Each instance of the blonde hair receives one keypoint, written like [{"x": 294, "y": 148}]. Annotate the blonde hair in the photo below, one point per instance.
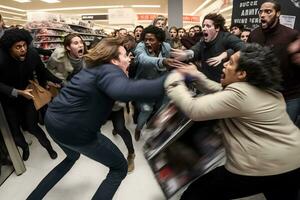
[{"x": 106, "y": 50}]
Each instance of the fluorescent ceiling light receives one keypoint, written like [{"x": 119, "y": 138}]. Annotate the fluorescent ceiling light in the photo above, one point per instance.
[
  {"x": 79, "y": 8},
  {"x": 12, "y": 8},
  {"x": 12, "y": 13},
  {"x": 23, "y": 20},
  {"x": 145, "y": 6},
  {"x": 201, "y": 6},
  {"x": 23, "y": 1},
  {"x": 225, "y": 9},
  {"x": 92, "y": 14},
  {"x": 51, "y": 1}
]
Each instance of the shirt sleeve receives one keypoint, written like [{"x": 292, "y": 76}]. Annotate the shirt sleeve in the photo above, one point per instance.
[
  {"x": 118, "y": 86},
  {"x": 224, "y": 104},
  {"x": 143, "y": 58}
]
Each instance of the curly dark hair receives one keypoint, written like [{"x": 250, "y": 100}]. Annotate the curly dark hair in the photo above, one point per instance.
[
  {"x": 218, "y": 19},
  {"x": 238, "y": 25},
  {"x": 139, "y": 26},
  {"x": 261, "y": 65},
  {"x": 159, "y": 33},
  {"x": 11, "y": 36}
]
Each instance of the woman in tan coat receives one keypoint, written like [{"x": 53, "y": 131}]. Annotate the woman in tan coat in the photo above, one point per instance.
[{"x": 262, "y": 143}]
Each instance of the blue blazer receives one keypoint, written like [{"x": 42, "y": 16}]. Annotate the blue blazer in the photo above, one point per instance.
[{"x": 84, "y": 104}]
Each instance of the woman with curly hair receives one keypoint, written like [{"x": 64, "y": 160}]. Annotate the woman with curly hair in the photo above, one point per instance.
[{"x": 262, "y": 144}]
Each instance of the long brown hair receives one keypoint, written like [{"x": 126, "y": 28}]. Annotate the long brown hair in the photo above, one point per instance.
[
  {"x": 68, "y": 40},
  {"x": 106, "y": 50}
]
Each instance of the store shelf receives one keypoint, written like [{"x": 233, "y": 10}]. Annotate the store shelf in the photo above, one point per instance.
[
  {"x": 52, "y": 28},
  {"x": 48, "y": 35},
  {"x": 181, "y": 150},
  {"x": 77, "y": 25},
  {"x": 55, "y": 41}
]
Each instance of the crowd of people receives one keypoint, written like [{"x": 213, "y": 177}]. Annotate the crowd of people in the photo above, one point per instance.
[{"x": 249, "y": 79}]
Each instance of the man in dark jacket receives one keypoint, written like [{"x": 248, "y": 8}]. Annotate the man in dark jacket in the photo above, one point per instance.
[
  {"x": 18, "y": 63},
  {"x": 279, "y": 37},
  {"x": 213, "y": 49}
]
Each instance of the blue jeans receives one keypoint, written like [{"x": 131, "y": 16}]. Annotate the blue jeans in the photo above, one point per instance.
[
  {"x": 101, "y": 150},
  {"x": 293, "y": 108},
  {"x": 146, "y": 110}
]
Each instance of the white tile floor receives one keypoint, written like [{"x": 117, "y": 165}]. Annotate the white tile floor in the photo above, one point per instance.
[{"x": 84, "y": 178}]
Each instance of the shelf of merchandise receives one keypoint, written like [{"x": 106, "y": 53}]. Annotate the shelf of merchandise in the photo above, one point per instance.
[
  {"x": 54, "y": 41},
  {"x": 41, "y": 37},
  {"x": 180, "y": 150}
]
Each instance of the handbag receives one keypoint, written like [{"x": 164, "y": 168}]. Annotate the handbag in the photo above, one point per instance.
[{"x": 41, "y": 95}]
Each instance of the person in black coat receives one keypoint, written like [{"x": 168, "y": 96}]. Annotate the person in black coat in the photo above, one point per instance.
[
  {"x": 18, "y": 63},
  {"x": 75, "y": 116}
]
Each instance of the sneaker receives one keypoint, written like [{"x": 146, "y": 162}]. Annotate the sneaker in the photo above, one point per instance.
[{"x": 130, "y": 162}]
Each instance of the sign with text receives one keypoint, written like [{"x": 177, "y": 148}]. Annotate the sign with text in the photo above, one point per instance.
[
  {"x": 121, "y": 16},
  {"x": 186, "y": 18},
  {"x": 246, "y": 12},
  {"x": 94, "y": 17}
]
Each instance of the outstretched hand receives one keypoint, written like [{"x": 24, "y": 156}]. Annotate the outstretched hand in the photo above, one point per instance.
[
  {"x": 215, "y": 61},
  {"x": 187, "y": 69},
  {"x": 27, "y": 93},
  {"x": 294, "y": 50},
  {"x": 178, "y": 54}
]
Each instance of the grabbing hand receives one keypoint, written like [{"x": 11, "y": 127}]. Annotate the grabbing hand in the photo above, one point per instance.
[
  {"x": 294, "y": 50},
  {"x": 178, "y": 54},
  {"x": 26, "y": 93},
  {"x": 187, "y": 69},
  {"x": 215, "y": 61},
  {"x": 170, "y": 63},
  {"x": 56, "y": 85}
]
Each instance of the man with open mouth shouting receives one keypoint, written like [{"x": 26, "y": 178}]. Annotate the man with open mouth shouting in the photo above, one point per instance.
[
  {"x": 279, "y": 37},
  {"x": 152, "y": 61},
  {"x": 213, "y": 49}
]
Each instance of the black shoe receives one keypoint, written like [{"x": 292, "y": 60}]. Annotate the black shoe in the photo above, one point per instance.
[
  {"x": 26, "y": 153},
  {"x": 137, "y": 134},
  {"x": 114, "y": 132},
  {"x": 52, "y": 154}
]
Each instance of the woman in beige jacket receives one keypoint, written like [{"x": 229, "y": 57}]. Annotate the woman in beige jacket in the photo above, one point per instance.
[{"x": 262, "y": 143}]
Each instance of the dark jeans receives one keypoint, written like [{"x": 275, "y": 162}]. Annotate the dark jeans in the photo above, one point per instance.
[
  {"x": 146, "y": 110},
  {"x": 117, "y": 118},
  {"x": 101, "y": 150},
  {"x": 24, "y": 115},
  {"x": 293, "y": 109},
  {"x": 221, "y": 184}
]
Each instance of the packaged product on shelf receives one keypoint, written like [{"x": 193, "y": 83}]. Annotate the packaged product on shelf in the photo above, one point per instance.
[{"x": 181, "y": 150}]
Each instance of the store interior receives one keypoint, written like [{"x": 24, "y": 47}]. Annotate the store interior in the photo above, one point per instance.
[
  {"x": 19, "y": 12},
  {"x": 94, "y": 18}
]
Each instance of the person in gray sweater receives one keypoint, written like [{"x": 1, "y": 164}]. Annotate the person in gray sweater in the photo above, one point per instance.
[{"x": 261, "y": 141}]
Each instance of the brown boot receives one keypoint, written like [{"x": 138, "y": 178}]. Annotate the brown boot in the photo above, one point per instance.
[
  {"x": 130, "y": 162},
  {"x": 137, "y": 134}
]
